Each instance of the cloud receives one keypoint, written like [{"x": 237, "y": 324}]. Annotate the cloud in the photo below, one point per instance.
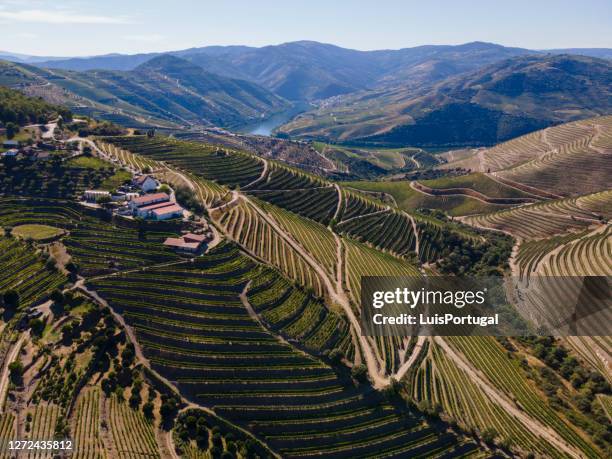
[
  {"x": 148, "y": 38},
  {"x": 60, "y": 17}
]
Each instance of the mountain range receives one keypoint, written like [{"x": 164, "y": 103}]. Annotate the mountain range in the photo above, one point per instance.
[
  {"x": 358, "y": 95},
  {"x": 498, "y": 102}
]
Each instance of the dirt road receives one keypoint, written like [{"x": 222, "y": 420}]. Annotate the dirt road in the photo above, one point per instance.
[{"x": 500, "y": 398}]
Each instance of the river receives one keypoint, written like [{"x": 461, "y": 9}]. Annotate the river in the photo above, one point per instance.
[{"x": 268, "y": 125}]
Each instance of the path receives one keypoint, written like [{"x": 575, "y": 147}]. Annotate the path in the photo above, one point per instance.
[
  {"x": 403, "y": 369},
  {"x": 263, "y": 175},
  {"x": 497, "y": 396},
  {"x": 136, "y": 270},
  {"x": 339, "y": 206},
  {"x": 11, "y": 356},
  {"x": 338, "y": 297},
  {"x": 387, "y": 209},
  {"x": 417, "y": 243},
  {"x": 80, "y": 284}
]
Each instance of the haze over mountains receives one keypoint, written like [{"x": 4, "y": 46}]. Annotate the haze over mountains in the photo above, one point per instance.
[{"x": 363, "y": 96}]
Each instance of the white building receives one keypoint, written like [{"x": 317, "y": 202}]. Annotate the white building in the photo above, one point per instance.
[
  {"x": 147, "y": 200},
  {"x": 145, "y": 182},
  {"x": 94, "y": 195},
  {"x": 167, "y": 212}
]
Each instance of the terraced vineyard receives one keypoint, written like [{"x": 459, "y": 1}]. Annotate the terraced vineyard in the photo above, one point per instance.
[
  {"x": 314, "y": 237},
  {"x": 549, "y": 172},
  {"x": 252, "y": 377},
  {"x": 487, "y": 355},
  {"x": 97, "y": 246},
  {"x": 86, "y": 429},
  {"x": 538, "y": 162},
  {"x": 246, "y": 226},
  {"x": 296, "y": 191},
  {"x": 24, "y": 271},
  {"x": 226, "y": 167},
  {"x": 132, "y": 434},
  {"x": 7, "y": 431},
  {"x": 437, "y": 381},
  {"x": 318, "y": 204},
  {"x": 42, "y": 426},
  {"x": 297, "y": 317},
  {"x": 549, "y": 218}
]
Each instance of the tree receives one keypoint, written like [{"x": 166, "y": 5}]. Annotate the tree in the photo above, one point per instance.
[
  {"x": 72, "y": 267},
  {"x": 336, "y": 355},
  {"x": 37, "y": 326},
  {"x": 11, "y": 130},
  {"x": 16, "y": 371},
  {"x": 57, "y": 297},
  {"x": 489, "y": 435},
  {"x": 11, "y": 299},
  {"x": 147, "y": 410}
]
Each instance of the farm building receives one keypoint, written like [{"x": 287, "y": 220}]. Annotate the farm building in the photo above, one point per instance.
[
  {"x": 145, "y": 182},
  {"x": 148, "y": 199},
  {"x": 188, "y": 243},
  {"x": 155, "y": 206},
  {"x": 94, "y": 195},
  {"x": 167, "y": 212}
]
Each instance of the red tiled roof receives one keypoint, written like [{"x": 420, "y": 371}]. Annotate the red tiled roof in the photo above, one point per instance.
[
  {"x": 158, "y": 205},
  {"x": 180, "y": 243},
  {"x": 167, "y": 209},
  {"x": 190, "y": 237},
  {"x": 149, "y": 198}
]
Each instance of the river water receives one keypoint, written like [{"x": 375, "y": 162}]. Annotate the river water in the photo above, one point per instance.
[{"x": 268, "y": 125}]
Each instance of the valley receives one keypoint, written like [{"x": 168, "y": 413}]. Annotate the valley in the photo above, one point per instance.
[{"x": 184, "y": 236}]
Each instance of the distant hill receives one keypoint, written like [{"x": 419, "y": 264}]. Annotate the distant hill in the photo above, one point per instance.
[
  {"x": 166, "y": 88},
  {"x": 501, "y": 101},
  {"x": 307, "y": 70}
]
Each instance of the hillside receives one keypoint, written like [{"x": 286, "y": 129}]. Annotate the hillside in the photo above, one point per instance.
[
  {"x": 21, "y": 110},
  {"x": 307, "y": 70},
  {"x": 165, "y": 89},
  {"x": 254, "y": 346},
  {"x": 501, "y": 101}
]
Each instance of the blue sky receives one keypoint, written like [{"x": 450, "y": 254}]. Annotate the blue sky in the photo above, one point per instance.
[{"x": 73, "y": 27}]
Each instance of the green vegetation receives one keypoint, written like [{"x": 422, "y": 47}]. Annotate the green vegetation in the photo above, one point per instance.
[
  {"x": 50, "y": 178},
  {"x": 26, "y": 274},
  {"x": 478, "y": 182},
  {"x": 409, "y": 199},
  {"x": 88, "y": 162},
  {"x": 96, "y": 244},
  {"x": 36, "y": 232},
  {"x": 242, "y": 370},
  {"x": 21, "y": 110}
]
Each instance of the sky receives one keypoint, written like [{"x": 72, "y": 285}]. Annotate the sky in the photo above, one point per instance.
[{"x": 82, "y": 28}]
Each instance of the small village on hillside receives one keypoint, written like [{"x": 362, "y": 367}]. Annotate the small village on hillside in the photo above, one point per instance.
[{"x": 139, "y": 196}]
